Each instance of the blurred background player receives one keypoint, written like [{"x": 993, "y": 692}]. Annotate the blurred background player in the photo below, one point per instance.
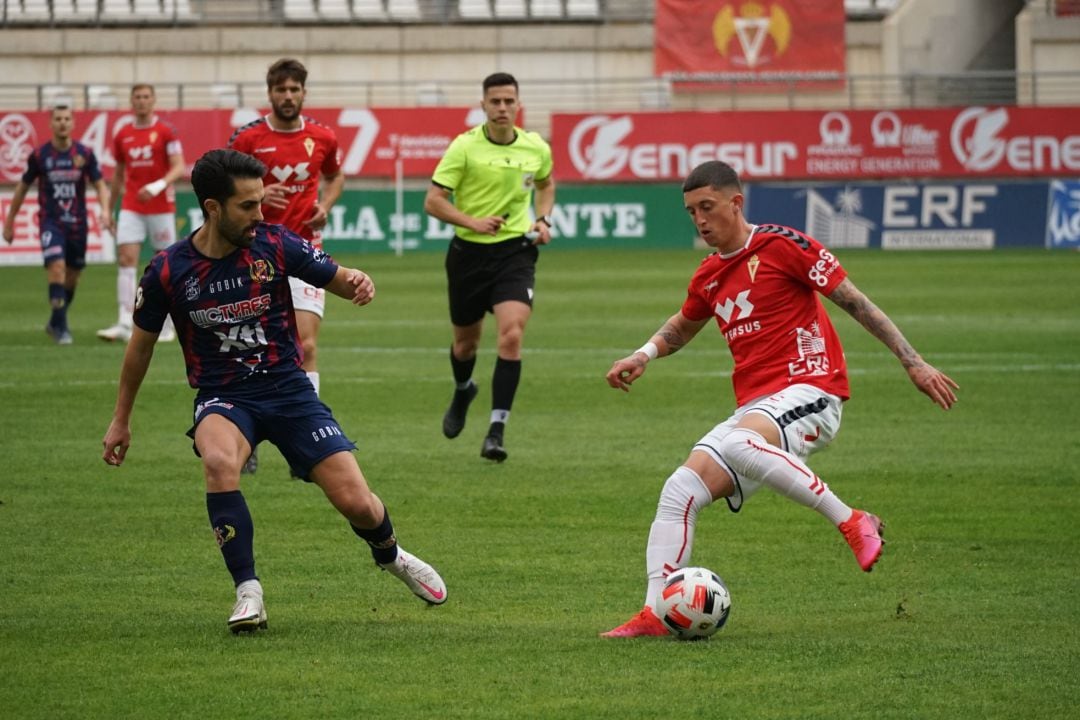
[
  {"x": 761, "y": 287},
  {"x": 297, "y": 151},
  {"x": 250, "y": 386},
  {"x": 491, "y": 172},
  {"x": 61, "y": 168},
  {"x": 149, "y": 159}
]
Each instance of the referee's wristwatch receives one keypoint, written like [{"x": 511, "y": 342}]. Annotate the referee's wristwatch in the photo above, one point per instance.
[{"x": 546, "y": 219}]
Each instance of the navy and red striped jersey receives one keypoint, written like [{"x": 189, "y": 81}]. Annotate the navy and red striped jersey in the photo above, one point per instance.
[
  {"x": 61, "y": 176},
  {"x": 234, "y": 315}
]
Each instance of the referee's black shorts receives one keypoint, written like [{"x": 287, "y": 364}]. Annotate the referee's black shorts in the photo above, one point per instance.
[{"x": 480, "y": 276}]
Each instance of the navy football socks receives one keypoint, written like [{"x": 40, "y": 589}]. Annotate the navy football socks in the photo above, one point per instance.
[{"x": 231, "y": 521}]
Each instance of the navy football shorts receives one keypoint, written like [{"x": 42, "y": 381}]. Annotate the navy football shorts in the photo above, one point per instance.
[
  {"x": 286, "y": 411},
  {"x": 63, "y": 242}
]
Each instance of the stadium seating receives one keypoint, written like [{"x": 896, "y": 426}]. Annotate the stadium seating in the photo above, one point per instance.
[
  {"x": 141, "y": 12},
  {"x": 582, "y": 9},
  {"x": 474, "y": 9},
  {"x": 404, "y": 9},
  {"x": 542, "y": 9},
  {"x": 368, "y": 10},
  {"x": 75, "y": 11},
  {"x": 33, "y": 11},
  {"x": 510, "y": 9},
  {"x": 303, "y": 10},
  {"x": 335, "y": 10}
]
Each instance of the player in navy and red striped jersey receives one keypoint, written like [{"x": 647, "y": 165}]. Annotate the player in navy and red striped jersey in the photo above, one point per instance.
[
  {"x": 297, "y": 151},
  {"x": 226, "y": 288},
  {"x": 61, "y": 168},
  {"x": 149, "y": 159},
  {"x": 761, "y": 286}
]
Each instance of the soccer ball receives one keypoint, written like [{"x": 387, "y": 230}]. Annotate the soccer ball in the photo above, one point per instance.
[{"x": 694, "y": 603}]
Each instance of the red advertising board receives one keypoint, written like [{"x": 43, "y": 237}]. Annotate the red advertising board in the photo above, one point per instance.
[
  {"x": 371, "y": 139},
  {"x": 790, "y": 144},
  {"x": 746, "y": 38}
]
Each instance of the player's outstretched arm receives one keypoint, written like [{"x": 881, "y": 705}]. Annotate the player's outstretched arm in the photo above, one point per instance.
[
  {"x": 676, "y": 332},
  {"x": 354, "y": 285},
  {"x": 140, "y": 350},
  {"x": 938, "y": 386}
]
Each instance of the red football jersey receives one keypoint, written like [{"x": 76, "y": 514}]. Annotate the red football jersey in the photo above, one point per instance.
[
  {"x": 764, "y": 298},
  {"x": 297, "y": 158},
  {"x": 145, "y": 153}
]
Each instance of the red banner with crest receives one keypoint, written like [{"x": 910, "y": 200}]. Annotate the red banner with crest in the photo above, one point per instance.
[{"x": 750, "y": 39}]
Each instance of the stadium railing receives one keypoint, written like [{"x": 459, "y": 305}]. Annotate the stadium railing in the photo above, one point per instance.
[{"x": 603, "y": 95}]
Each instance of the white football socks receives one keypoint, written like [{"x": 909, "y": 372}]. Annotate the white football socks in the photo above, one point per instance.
[
  {"x": 125, "y": 294},
  {"x": 671, "y": 537},
  {"x": 750, "y": 455}
]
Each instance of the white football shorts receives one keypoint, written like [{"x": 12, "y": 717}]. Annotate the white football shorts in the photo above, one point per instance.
[
  {"x": 307, "y": 297},
  {"x": 807, "y": 417},
  {"x": 133, "y": 228}
]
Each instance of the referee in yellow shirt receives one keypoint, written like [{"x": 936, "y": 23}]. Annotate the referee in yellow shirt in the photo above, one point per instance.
[{"x": 484, "y": 186}]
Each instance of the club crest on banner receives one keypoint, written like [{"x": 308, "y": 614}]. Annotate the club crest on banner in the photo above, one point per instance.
[{"x": 751, "y": 27}]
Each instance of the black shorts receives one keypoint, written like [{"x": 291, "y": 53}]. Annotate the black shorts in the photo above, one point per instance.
[{"x": 480, "y": 276}]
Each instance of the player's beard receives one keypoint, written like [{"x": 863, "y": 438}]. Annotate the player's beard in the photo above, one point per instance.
[
  {"x": 235, "y": 234},
  {"x": 287, "y": 114}
]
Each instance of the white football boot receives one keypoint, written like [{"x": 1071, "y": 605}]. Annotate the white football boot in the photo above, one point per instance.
[
  {"x": 115, "y": 333},
  {"x": 418, "y": 576},
  {"x": 249, "y": 612}
]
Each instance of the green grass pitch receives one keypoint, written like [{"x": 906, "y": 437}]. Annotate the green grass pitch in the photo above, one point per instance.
[{"x": 113, "y": 596}]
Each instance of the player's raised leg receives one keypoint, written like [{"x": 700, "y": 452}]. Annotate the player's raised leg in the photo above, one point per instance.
[{"x": 341, "y": 480}]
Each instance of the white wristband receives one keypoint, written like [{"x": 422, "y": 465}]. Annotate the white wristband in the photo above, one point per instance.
[
  {"x": 155, "y": 188},
  {"x": 650, "y": 350}
]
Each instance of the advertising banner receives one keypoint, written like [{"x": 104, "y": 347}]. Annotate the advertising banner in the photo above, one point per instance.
[
  {"x": 371, "y": 140},
  {"x": 25, "y": 248},
  {"x": 1063, "y": 223},
  {"x": 644, "y": 216},
  {"x": 737, "y": 39},
  {"x": 908, "y": 216},
  {"x": 815, "y": 144}
]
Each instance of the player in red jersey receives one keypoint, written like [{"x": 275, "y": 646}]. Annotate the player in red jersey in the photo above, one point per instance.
[
  {"x": 149, "y": 159},
  {"x": 296, "y": 151},
  {"x": 761, "y": 286}
]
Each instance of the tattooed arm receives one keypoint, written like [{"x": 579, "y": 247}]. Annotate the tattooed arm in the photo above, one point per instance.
[
  {"x": 935, "y": 384},
  {"x": 672, "y": 335}
]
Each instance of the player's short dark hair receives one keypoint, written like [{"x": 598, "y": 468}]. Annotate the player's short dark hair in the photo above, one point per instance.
[
  {"x": 715, "y": 174},
  {"x": 62, "y": 106},
  {"x": 214, "y": 175},
  {"x": 499, "y": 79},
  {"x": 143, "y": 86},
  {"x": 286, "y": 69}
]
